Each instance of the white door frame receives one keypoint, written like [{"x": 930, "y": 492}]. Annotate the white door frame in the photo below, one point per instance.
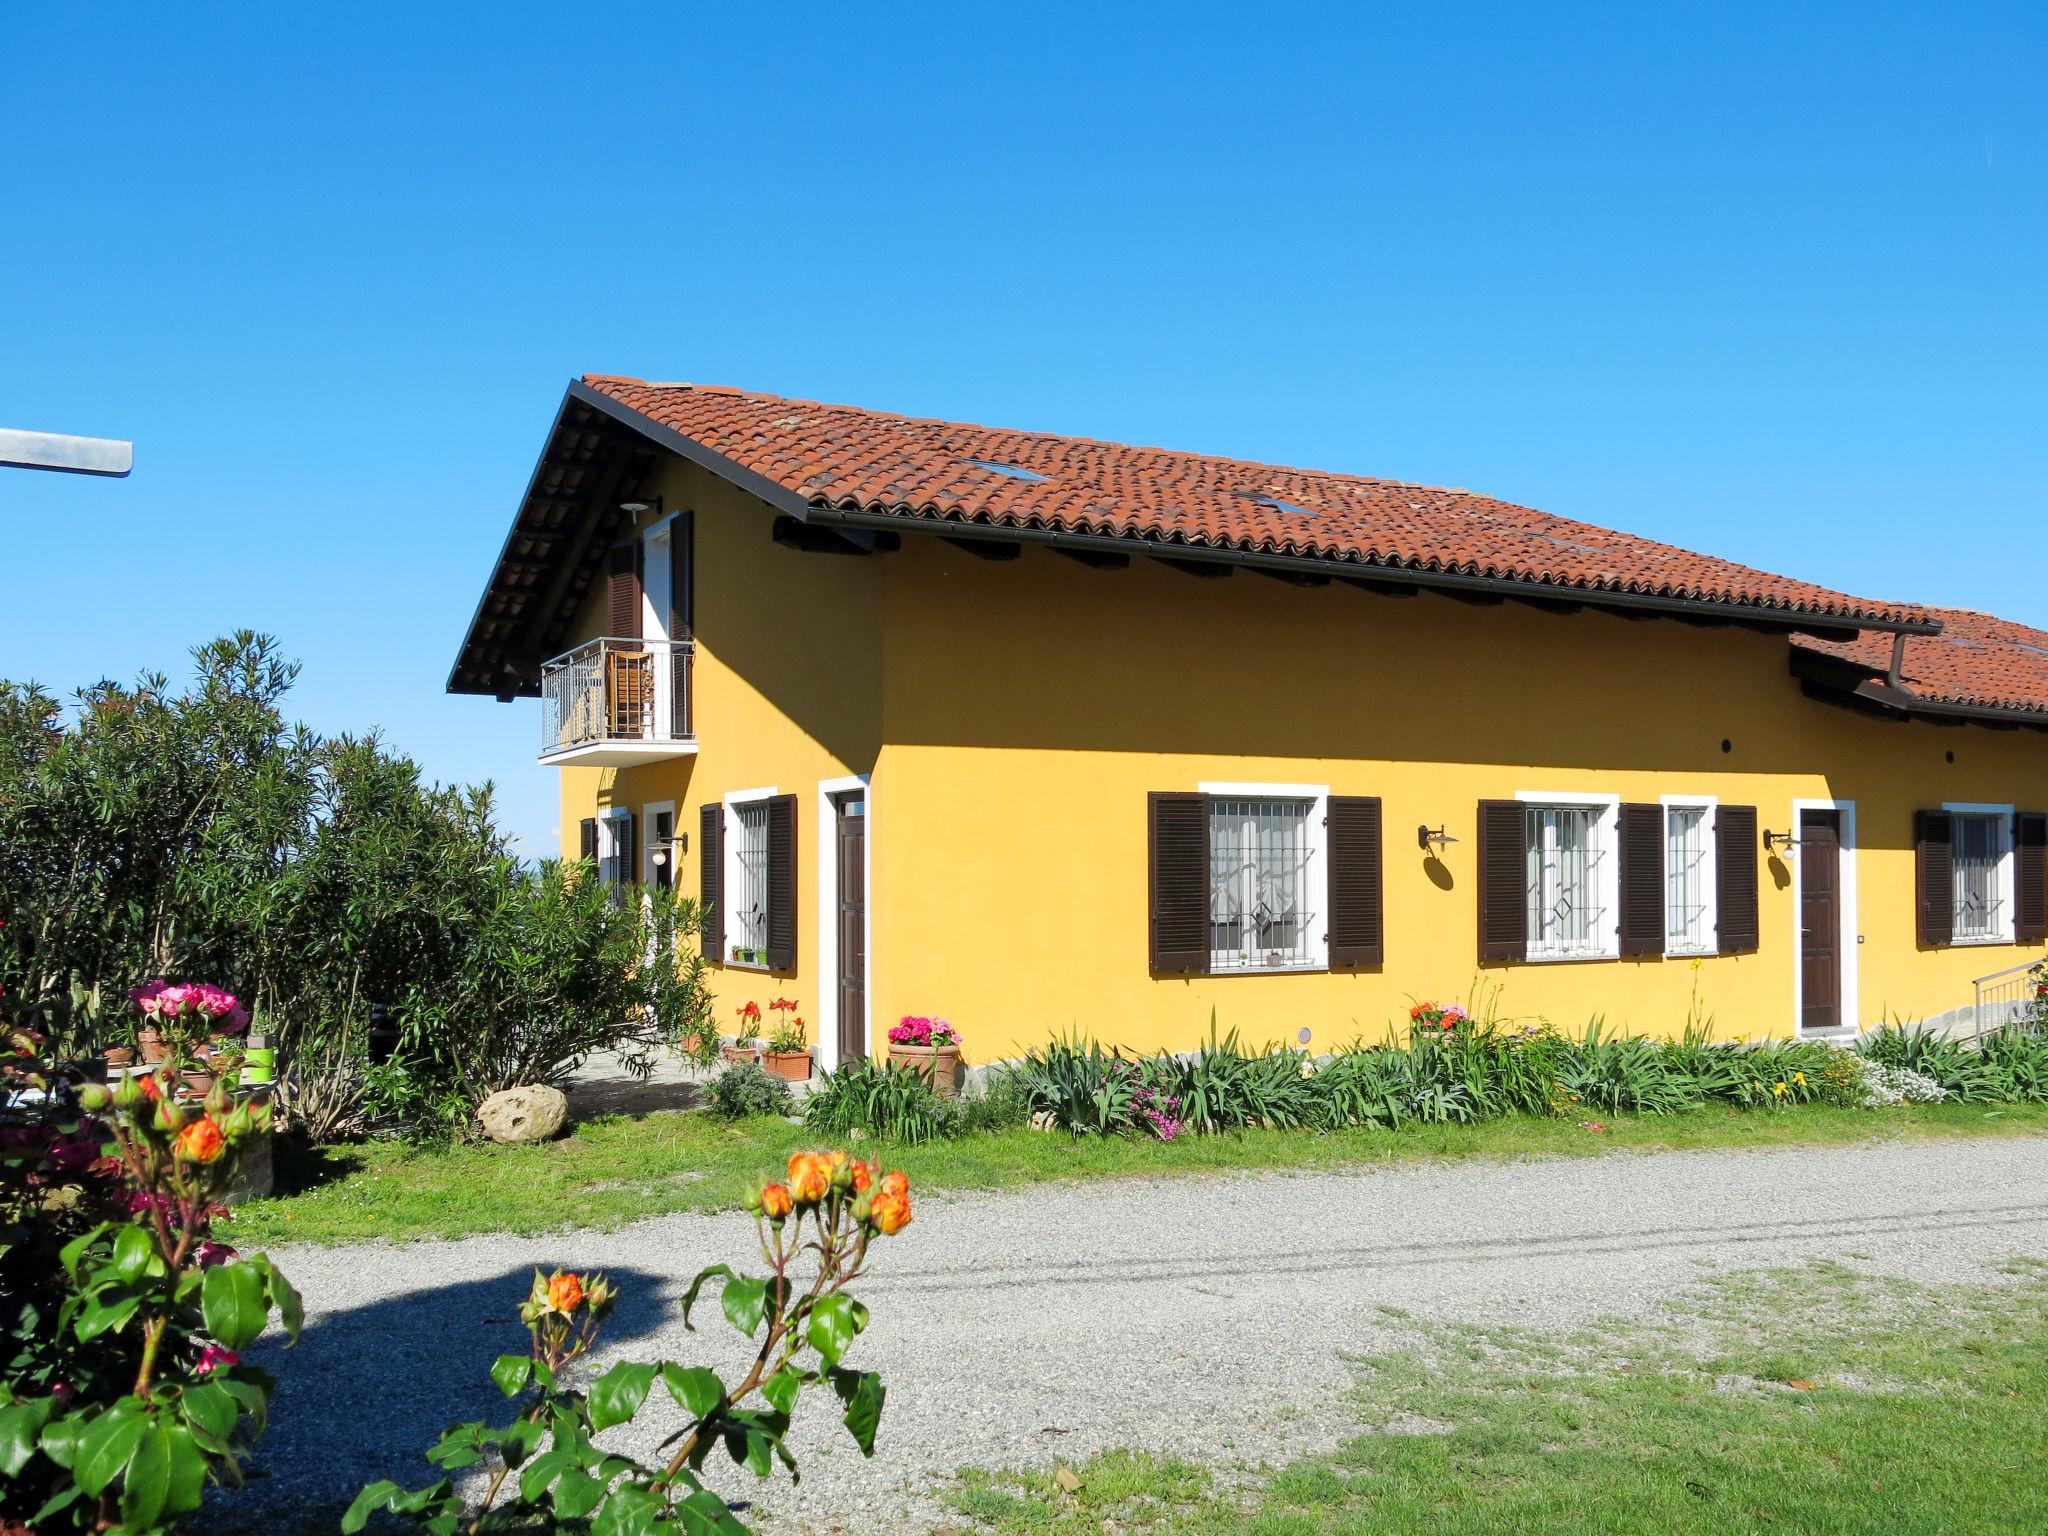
[
  {"x": 1849, "y": 941},
  {"x": 827, "y": 1013}
]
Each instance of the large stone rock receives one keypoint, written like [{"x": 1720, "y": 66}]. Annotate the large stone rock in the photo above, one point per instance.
[{"x": 523, "y": 1114}]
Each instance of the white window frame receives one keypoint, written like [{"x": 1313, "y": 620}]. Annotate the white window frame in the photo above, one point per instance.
[
  {"x": 1318, "y": 839},
  {"x": 648, "y": 812},
  {"x": 608, "y": 822},
  {"x": 729, "y": 855},
  {"x": 2001, "y": 816},
  {"x": 1606, "y": 871},
  {"x": 826, "y": 1036},
  {"x": 1850, "y": 937},
  {"x": 1710, "y": 829}
]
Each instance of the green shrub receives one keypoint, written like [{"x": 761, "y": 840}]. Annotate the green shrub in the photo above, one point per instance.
[
  {"x": 1084, "y": 1087},
  {"x": 743, "y": 1090},
  {"x": 882, "y": 1101},
  {"x": 1004, "y": 1100},
  {"x": 1625, "y": 1074}
]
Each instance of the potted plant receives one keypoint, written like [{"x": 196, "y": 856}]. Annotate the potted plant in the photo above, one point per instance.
[
  {"x": 744, "y": 1046},
  {"x": 931, "y": 1049},
  {"x": 189, "y": 1022},
  {"x": 789, "y": 1053}
]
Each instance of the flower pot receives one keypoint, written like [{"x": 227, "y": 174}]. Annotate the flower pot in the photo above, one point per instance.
[
  {"x": 119, "y": 1057},
  {"x": 151, "y": 1039},
  {"x": 792, "y": 1065},
  {"x": 733, "y": 1052},
  {"x": 938, "y": 1065},
  {"x": 198, "y": 1081}
]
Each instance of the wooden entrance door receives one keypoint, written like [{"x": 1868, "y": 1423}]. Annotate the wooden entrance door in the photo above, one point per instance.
[
  {"x": 1820, "y": 919},
  {"x": 852, "y": 834}
]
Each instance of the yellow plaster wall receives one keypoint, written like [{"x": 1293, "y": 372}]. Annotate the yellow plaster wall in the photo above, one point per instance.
[
  {"x": 786, "y": 692},
  {"x": 1031, "y": 705}
]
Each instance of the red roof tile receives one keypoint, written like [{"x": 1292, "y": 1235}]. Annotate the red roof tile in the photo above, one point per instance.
[
  {"x": 844, "y": 457},
  {"x": 1976, "y": 660}
]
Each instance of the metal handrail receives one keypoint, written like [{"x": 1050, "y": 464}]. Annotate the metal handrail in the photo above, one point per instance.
[
  {"x": 616, "y": 688},
  {"x": 2005, "y": 994}
]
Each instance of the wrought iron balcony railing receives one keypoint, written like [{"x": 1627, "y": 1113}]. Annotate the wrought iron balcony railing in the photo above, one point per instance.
[{"x": 617, "y": 701}]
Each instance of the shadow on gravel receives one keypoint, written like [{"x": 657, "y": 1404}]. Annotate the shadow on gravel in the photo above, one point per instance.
[{"x": 367, "y": 1389}]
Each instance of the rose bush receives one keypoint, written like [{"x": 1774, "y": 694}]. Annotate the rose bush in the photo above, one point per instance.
[
  {"x": 545, "y": 1470},
  {"x": 124, "y": 1393}
]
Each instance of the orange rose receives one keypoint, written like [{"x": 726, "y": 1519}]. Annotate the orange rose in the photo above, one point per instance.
[
  {"x": 810, "y": 1176},
  {"x": 890, "y": 1211},
  {"x": 775, "y": 1201},
  {"x": 896, "y": 1182},
  {"x": 200, "y": 1141},
  {"x": 863, "y": 1176},
  {"x": 565, "y": 1292}
]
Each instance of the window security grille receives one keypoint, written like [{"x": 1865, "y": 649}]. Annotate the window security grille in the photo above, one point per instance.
[
  {"x": 1688, "y": 861},
  {"x": 1979, "y": 848},
  {"x": 750, "y": 899},
  {"x": 1260, "y": 906},
  {"x": 1567, "y": 917}
]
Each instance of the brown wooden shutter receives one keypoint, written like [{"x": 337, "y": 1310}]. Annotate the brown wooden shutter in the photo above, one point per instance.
[
  {"x": 1735, "y": 855},
  {"x": 629, "y": 849},
  {"x": 588, "y": 828},
  {"x": 782, "y": 883},
  {"x": 1503, "y": 880},
  {"x": 1179, "y": 887},
  {"x": 2030, "y": 876},
  {"x": 1357, "y": 898},
  {"x": 1642, "y": 879},
  {"x": 710, "y": 875},
  {"x": 622, "y": 587},
  {"x": 1934, "y": 872},
  {"x": 682, "y": 535}
]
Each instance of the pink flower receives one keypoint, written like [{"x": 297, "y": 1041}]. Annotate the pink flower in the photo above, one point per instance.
[
  {"x": 146, "y": 996},
  {"x": 212, "y": 1253},
  {"x": 212, "y": 1358}
]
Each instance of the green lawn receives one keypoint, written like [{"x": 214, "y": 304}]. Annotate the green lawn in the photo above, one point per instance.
[
  {"x": 1815, "y": 1401},
  {"x": 613, "y": 1171}
]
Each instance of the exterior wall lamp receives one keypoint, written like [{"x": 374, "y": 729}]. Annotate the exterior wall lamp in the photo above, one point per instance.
[
  {"x": 1429, "y": 841},
  {"x": 660, "y": 853},
  {"x": 1777, "y": 840}
]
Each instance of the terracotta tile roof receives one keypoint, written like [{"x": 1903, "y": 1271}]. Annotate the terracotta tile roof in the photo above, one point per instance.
[
  {"x": 1976, "y": 660},
  {"x": 844, "y": 457}
]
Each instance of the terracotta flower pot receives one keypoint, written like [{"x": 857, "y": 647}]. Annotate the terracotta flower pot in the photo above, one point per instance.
[
  {"x": 198, "y": 1081},
  {"x": 733, "y": 1052},
  {"x": 938, "y": 1065},
  {"x": 119, "y": 1057},
  {"x": 793, "y": 1065},
  {"x": 151, "y": 1039}
]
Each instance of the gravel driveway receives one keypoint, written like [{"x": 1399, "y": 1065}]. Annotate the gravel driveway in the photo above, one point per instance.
[{"x": 1204, "y": 1317}]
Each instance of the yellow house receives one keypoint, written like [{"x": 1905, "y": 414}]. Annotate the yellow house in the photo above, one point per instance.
[{"x": 1039, "y": 733}]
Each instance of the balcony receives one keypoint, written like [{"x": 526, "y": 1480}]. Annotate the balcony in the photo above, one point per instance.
[{"x": 613, "y": 703}]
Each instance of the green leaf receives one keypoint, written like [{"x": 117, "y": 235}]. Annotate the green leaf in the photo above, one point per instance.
[
  {"x": 577, "y": 1493},
  {"x": 233, "y": 1300},
  {"x": 541, "y": 1472},
  {"x": 74, "y": 1250},
  {"x": 188, "y": 1471},
  {"x": 833, "y": 1324},
  {"x": 107, "y": 1443},
  {"x": 704, "y": 1513},
  {"x": 520, "y": 1439},
  {"x": 375, "y": 1496},
  {"x": 60, "y": 1442},
  {"x": 147, "y": 1486},
  {"x": 782, "y": 1388},
  {"x": 633, "y": 1511},
  {"x": 19, "y": 1427},
  {"x": 291, "y": 1307},
  {"x": 133, "y": 1249},
  {"x": 212, "y": 1408},
  {"x": 696, "y": 1285},
  {"x": 617, "y": 1395},
  {"x": 511, "y": 1373},
  {"x": 101, "y": 1315},
  {"x": 745, "y": 1301},
  {"x": 385, "y": 1494},
  {"x": 862, "y": 1393},
  {"x": 696, "y": 1391}
]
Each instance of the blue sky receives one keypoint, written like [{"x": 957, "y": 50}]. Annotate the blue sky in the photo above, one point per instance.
[{"x": 1763, "y": 280}]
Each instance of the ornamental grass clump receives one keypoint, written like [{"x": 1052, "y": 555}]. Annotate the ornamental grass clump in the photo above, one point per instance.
[
  {"x": 888, "y": 1101},
  {"x": 545, "y": 1471}
]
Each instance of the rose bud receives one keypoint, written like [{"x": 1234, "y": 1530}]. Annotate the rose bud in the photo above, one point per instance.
[
  {"x": 775, "y": 1202},
  {"x": 94, "y": 1098},
  {"x": 200, "y": 1142},
  {"x": 565, "y": 1292}
]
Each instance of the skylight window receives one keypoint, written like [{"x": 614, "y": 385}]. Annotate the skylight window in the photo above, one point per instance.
[
  {"x": 1009, "y": 471},
  {"x": 1274, "y": 503}
]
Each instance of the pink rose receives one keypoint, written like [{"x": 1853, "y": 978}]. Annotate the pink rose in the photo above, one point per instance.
[{"x": 212, "y": 1358}]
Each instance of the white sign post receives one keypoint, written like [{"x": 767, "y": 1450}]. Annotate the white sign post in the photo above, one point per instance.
[{"x": 72, "y": 455}]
